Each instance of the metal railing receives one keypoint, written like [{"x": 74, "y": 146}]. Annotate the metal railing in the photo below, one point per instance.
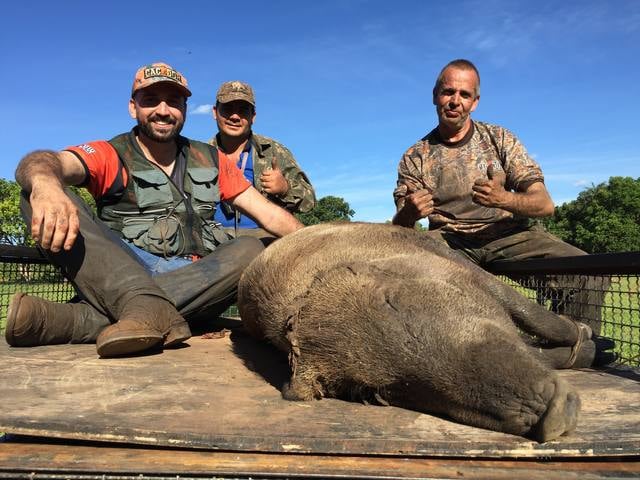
[{"x": 608, "y": 284}]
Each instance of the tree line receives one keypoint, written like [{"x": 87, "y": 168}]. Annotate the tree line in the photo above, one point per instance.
[{"x": 604, "y": 218}]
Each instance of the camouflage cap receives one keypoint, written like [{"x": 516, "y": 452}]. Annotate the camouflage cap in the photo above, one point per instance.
[
  {"x": 235, "y": 90},
  {"x": 159, "y": 72}
]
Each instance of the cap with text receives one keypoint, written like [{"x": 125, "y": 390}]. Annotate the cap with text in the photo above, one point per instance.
[
  {"x": 235, "y": 90},
  {"x": 156, "y": 73}
]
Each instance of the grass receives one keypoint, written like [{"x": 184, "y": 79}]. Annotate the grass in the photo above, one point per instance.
[{"x": 621, "y": 317}]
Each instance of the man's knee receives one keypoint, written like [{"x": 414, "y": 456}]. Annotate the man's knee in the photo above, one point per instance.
[
  {"x": 243, "y": 249},
  {"x": 551, "y": 245}
]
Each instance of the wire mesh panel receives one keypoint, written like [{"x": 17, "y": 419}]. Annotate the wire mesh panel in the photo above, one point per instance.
[
  {"x": 600, "y": 290},
  {"x": 610, "y": 305},
  {"x": 621, "y": 316},
  {"x": 25, "y": 270}
]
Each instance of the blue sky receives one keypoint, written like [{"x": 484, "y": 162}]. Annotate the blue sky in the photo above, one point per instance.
[{"x": 346, "y": 85}]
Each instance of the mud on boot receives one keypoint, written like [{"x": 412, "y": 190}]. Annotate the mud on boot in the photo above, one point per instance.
[
  {"x": 33, "y": 321},
  {"x": 146, "y": 321}
]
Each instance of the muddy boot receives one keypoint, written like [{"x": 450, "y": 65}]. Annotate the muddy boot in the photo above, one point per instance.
[
  {"x": 145, "y": 321},
  {"x": 33, "y": 321}
]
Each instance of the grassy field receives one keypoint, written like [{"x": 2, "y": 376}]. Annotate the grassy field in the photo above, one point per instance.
[{"x": 621, "y": 317}]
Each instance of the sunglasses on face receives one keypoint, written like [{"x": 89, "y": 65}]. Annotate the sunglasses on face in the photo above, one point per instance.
[
  {"x": 150, "y": 101},
  {"x": 242, "y": 109}
]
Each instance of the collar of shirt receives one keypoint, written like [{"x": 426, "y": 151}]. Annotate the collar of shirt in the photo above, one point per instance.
[{"x": 182, "y": 144}]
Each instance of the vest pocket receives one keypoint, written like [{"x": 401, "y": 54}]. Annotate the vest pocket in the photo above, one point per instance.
[
  {"x": 160, "y": 235},
  {"x": 152, "y": 188},
  {"x": 213, "y": 236},
  {"x": 203, "y": 185}
]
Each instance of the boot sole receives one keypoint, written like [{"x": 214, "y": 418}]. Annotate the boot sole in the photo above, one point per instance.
[
  {"x": 127, "y": 344},
  {"x": 178, "y": 334},
  {"x": 12, "y": 313}
]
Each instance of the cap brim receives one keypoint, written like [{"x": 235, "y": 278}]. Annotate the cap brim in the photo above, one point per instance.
[
  {"x": 182, "y": 88},
  {"x": 233, "y": 98}
]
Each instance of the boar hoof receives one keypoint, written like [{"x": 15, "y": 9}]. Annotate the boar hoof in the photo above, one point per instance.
[{"x": 561, "y": 415}]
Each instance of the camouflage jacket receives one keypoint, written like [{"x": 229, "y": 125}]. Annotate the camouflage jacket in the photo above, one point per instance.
[
  {"x": 449, "y": 171},
  {"x": 300, "y": 197}
]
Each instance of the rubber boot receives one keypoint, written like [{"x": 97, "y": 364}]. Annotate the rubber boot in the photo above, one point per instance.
[
  {"x": 109, "y": 276},
  {"x": 32, "y": 321},
  {"x": 145, "y": 322}
]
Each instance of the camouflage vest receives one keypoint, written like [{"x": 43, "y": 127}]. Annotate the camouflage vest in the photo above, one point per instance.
[{"x": 153, "y": 214}]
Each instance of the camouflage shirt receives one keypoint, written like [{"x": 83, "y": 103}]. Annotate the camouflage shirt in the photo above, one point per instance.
[
  {"x": 300, "y": 197},
  {"x": 449, "y": 171}
]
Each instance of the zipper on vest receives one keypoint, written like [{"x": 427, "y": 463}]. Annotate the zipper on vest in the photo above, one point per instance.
[
  {"x": 155, "y": 210},
  {"x": 193, "y": 247}
]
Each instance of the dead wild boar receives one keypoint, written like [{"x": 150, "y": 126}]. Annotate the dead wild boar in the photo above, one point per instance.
[{"x": 382, "y": 313}]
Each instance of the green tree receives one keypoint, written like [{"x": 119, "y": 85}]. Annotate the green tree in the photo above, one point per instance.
[
  {"x": 328, "y": 209},
  {"x": 13, "y": 230},
  {"x": 604, "y": 218}
]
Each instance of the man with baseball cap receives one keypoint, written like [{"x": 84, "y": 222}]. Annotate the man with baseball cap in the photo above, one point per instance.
[
  {"x": 267, "y": 164},
  {"x": 134, "y": 263}
]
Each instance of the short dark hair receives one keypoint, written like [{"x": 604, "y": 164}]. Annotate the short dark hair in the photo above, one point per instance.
[{"x": 461, "y": 64}]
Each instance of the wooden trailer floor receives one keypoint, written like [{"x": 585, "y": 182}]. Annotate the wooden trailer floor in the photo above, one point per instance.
[{"x": 215, "y": 406}]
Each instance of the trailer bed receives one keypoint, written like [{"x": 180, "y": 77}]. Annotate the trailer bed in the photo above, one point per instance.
[{"x": 213, "y": 407}]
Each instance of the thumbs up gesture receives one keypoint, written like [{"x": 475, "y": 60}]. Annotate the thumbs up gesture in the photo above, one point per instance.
[
  {"x": 273, "y": 181},
  {"x": 490, "y": 192}
]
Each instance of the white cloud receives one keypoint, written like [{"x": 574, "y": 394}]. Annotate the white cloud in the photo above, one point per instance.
[{"x": 201, "y": 109}]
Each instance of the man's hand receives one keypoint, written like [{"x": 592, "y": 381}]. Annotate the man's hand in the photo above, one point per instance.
[
  {"x": 491, "y": 192},
  {"x": 44, "y": 173},
  {"x": 54, "y": 222},
  {"x": 417, "y": 204},
  {"x": 273, "y": 182}
]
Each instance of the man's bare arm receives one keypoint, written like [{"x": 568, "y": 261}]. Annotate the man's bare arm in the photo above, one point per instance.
[
  {"x": 43, "y": 174},
  {"x": 269, "y": 216}
]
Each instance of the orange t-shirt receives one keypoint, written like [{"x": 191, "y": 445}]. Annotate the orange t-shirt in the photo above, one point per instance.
[{"x": 104, "y": 171}]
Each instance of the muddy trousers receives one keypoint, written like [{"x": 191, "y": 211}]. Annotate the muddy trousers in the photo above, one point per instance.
[
  {"x": 265, "y": 237},
  {"x": 580, "y": 297},
  {"x": 107, "y": 274}
]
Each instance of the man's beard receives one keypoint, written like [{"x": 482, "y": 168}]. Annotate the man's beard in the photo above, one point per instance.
[{"x": 160, "y": 137}]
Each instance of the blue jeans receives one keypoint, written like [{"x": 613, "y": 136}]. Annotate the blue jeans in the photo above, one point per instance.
[{"x": 155, "y": 264}]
